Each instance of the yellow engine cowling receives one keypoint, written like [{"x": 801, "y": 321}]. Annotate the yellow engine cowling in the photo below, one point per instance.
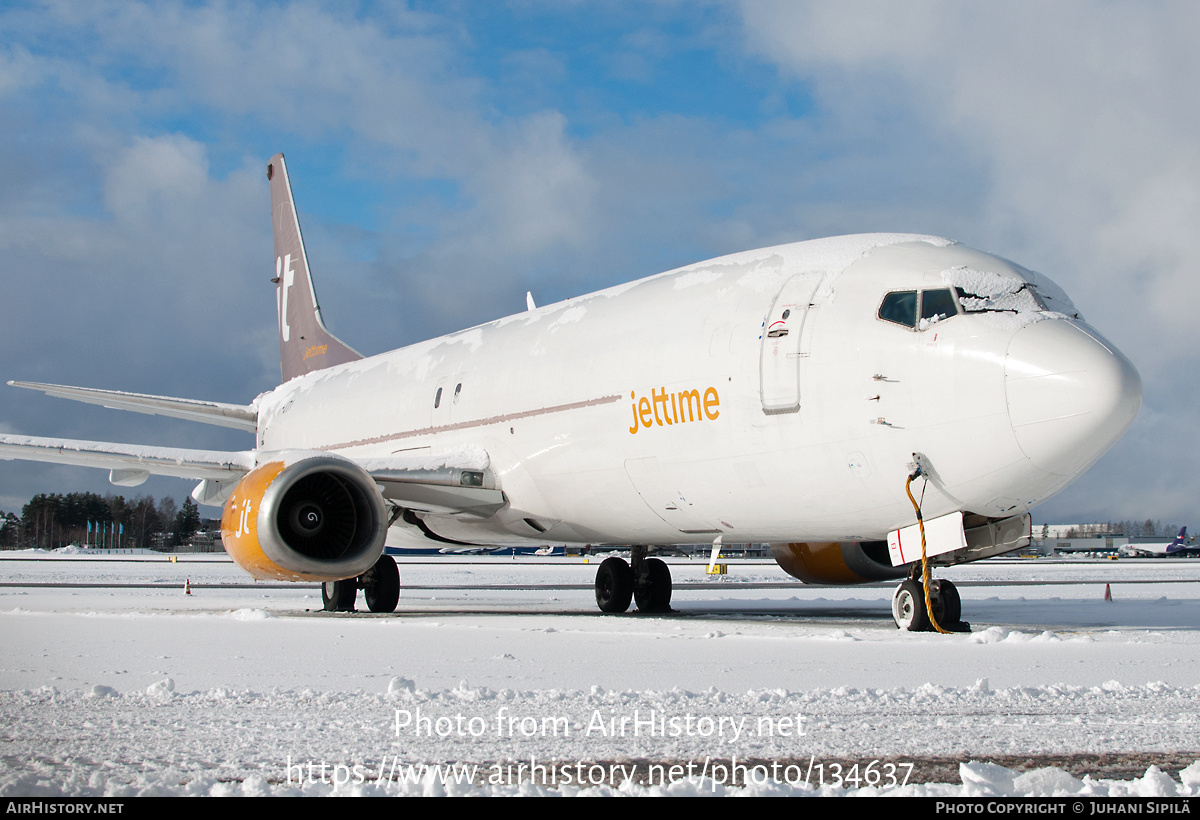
[
  {"x": 318, "y": 519},
  {"x": 837, "y": 562}
]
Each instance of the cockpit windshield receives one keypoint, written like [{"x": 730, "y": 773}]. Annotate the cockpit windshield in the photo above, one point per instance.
[
  {"x": 918, "y": 309},
  {"x": 900, "y": 307}
]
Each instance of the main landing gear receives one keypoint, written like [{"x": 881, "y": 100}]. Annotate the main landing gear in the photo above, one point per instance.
[
  {"x": 381, "y": 585},
  {"x": 648, "y": 582},
  {"x": 909, "y": 612}
]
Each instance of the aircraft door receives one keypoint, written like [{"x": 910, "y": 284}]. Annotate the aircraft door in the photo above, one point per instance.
[{"x": 779, "y": 363}]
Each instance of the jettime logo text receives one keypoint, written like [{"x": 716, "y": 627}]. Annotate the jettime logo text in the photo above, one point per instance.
[{"x": 663, "y": 409}]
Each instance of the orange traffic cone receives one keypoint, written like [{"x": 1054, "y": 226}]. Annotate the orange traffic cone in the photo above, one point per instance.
[
  {"x": 1107, "y": 592},
  {"x": 187, "y": 587}
]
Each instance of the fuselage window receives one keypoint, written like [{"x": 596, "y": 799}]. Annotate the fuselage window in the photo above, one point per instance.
[
  {"x": 437, "y": 399},
  {"x": 900, "y": 307}
]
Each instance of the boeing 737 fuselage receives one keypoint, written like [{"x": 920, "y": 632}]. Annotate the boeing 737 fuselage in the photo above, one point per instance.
[{"x": 782, "y": 395}]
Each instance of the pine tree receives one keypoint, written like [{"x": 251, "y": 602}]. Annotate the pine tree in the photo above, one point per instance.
[{"x": 188, "y": 520}]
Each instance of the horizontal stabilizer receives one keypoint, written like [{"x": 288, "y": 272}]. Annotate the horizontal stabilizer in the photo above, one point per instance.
[
  {"x": 128, "y": 460},
  {"x": 237, "y": 416}
]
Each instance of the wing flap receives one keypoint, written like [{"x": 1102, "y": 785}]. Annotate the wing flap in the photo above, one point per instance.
[
  {"x": 456, "y": 482},
  {"x": 440, "y": 499},
  {"x": 237, "y": 416}
]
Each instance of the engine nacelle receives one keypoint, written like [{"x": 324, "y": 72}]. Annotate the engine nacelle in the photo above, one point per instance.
[
  {"x": 837, "y": 562},
  {"x": 317, "y": 519}
]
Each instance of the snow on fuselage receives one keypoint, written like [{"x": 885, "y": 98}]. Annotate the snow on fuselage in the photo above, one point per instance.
[{"x": 765, "y": 396}]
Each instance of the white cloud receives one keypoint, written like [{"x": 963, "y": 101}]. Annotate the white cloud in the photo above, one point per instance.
[
  {"x": 1079, "y": 111},
  {"x": 154, "y": 176}
]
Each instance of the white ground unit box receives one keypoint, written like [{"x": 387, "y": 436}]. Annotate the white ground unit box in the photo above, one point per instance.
[{"x": 944, "y": 534}]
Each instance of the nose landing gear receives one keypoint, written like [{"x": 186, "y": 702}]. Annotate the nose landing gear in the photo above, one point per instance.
[
  {"x": 922, "y": 604},
  {"x": 910, "y": 613}
]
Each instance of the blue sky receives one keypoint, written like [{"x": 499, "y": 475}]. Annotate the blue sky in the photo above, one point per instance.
[{"x": 447, "y": 157}]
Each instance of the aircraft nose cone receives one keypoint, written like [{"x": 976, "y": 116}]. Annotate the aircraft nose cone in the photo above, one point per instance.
[{"x": 1071, "y": 394}]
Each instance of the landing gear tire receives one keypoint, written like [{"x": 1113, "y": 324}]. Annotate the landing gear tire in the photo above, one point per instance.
[
  {"x": 654, "y": 594},
  {"x": 339, "y": 596},
  {"x": 947, "y": 606},
  {"x": 908, "y": 607},
  {"x": 614, "y": 585},
  {"x": 382, "y": 590}
]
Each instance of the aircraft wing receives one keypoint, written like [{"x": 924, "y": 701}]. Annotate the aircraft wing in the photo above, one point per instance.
[
  {"x": 237, "y": 416},
  {"x": 130, "y": 463},
  {"x": 458, "y": 482}
]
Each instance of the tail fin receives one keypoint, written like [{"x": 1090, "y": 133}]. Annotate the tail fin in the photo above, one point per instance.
[{"x": 305, "y": 344}]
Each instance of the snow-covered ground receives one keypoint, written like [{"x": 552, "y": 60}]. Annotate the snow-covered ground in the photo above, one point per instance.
[{"x": 249, "y": 690}]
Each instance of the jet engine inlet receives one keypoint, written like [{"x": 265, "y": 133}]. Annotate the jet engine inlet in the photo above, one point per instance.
[{"x": 320, "y": 518}]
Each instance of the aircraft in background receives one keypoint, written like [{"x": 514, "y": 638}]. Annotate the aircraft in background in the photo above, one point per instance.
[
  {"x": 786, "y": 395},
  {"x": 1177, "y": 548}
]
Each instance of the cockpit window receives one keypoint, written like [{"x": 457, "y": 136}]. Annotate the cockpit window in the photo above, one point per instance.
[
  {"x": 918, "y": 309},
  {"x": 900, "y": 307},
  {"x": 935, "y": 305}
]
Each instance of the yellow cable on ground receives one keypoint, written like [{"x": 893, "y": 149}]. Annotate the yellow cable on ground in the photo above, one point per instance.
[{"x": 924, "y": 563}]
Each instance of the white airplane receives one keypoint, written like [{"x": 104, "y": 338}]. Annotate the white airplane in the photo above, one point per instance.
[
  {"x": 783, "y": 395},
  {"x": 1177, "y": 548}
]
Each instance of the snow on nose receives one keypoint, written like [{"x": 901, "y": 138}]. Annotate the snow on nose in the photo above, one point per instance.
[{"x": 1071, "y": 394}]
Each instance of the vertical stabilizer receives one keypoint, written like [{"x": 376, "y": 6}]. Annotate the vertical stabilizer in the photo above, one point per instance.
[{"x": 304, "y": 343}]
